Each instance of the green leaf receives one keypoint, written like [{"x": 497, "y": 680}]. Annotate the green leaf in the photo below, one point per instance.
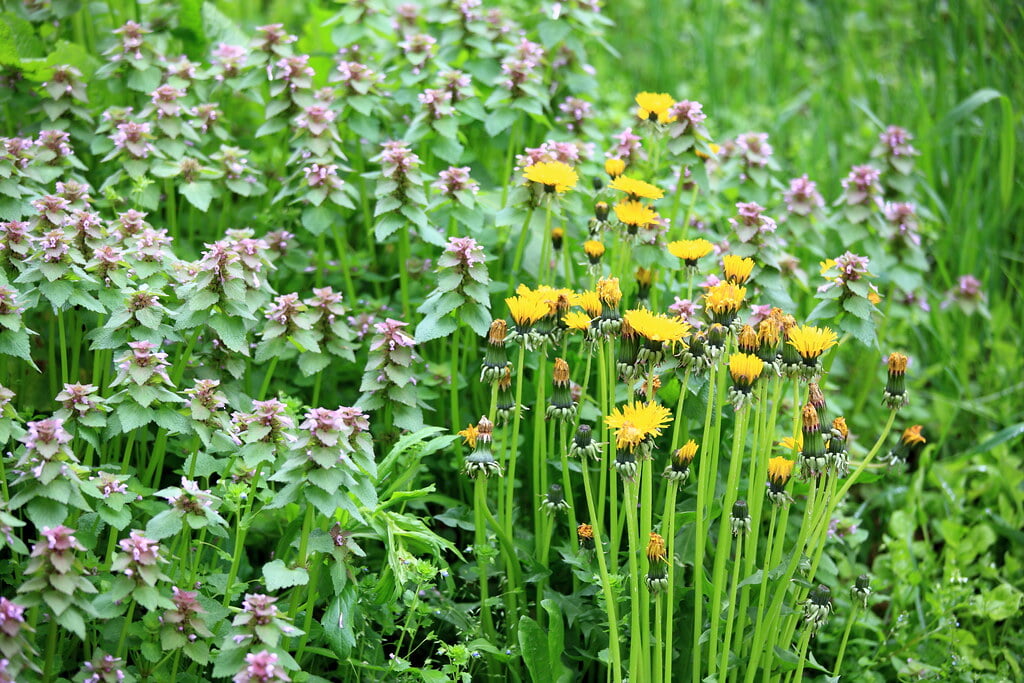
[
  {"x": 317, "y": 219},
  {"x": 434, "y": 327},
  {"x": 533, "y": 642},
  {"x": 132, "y": 416},
  {"x": 164, "y": 525},
  {"x": 859, "y": 307},
  {"x": 277, "y": 576},
  {"x": 231, "y": 331},
  {"x": 500, "y": 119},
  {"x": 198, "y": 194}
]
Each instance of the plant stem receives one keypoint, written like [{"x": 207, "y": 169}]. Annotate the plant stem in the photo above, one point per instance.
[
  {"x": 268, "y": 377},
  {"x": 846, "y": 637},
  {"x": 704, "y": 476},
  {"x": 510, "y": 488},
  {"x": 638, "y": 647},
  {"x": 517, "y": 260},
  {"x": 606, "y": 585},
  {"x": 480, "y": 530},
  {"x": 241, "y": 528},
  {"x": 122, "y": 641}
]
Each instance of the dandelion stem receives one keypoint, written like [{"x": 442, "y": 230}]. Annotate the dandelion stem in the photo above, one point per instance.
[
  {"x": 510, "y": 487},
  {"x": 606, "y": 585},
  {"x": 480, "y": 530},
  {"x": 850, "y": 620},
  {"x": 703, "y": 476}
]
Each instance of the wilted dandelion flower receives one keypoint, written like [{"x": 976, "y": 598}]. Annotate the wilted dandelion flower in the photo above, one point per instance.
[
  {"x": 657, "y": 558},
  {"x": 561, "y": 405},
  {"x": 739, "y": 520},
  {"x": 469, "y": 435},
  {"x": 861, "y": 589},
  {"x": 636, "y": 189},
  {"x": 678, "y": 468},
  {"x": 838, "y": 458},
  {"x": 481, "y": 460},
  {"x": 655, "y": 107},
  {"x": 554, "y": 176},
  {"x": 585, "y": 534},
  {"x": 812, "y": 453},
  {"x": 737, "y": 268},
  {"x": 911, "y": 443},
  {"x": 896, "y": 386},
  {"x": 817, "y": 607},
  {"x": 495, "y": 358}
]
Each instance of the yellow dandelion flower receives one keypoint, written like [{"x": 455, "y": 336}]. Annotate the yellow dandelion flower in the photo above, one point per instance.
[
  {"x": 745, "y": 368},
  {"x": 644, "y": 276},
  {"x": 780, "y": 469},
  {"x": 654, "y": 106},
  {"x": 690, "y": 250},
  {"x": 839, "y": 426},
  {"x": 555, "y": 176},
  {"x": 897, "y": 363},
  {"x": 594, "y": 250},
  {"x": 874, "y": 298},
  {"x": 589, "y": 301},
  {"x": 470, "y": 434},
  {"x": 724, "y": 298},
  {"x": 609, "y": 292},
  {"x": 614, "y": 167},
  {"x": 526, "y": 310},
  {"x": 575, "y": 320},
  {"x": 635, "y": 214},
  {"x": 737, "y": 269},
  {"x": 656, "y": 327},
  {"x": 685, "y": 454},
  {"x": 635, "y": 422},
  {"x": 636, "y": 189},
  {"x": 810, "y": 342},
  {"x": 827, "y": 265}
]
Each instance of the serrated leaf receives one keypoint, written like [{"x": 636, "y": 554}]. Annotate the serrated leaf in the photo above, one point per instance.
[
  {"x": 164, "y": 525},
  {"x": 231, "y": 331},
  {"x": 277, "y": 576}
]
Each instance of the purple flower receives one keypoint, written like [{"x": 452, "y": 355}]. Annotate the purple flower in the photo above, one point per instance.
[
  {"x": 104, "y": 669},
  {"x": 967, "y": 295},
  {"x": 576, "y": 110},
  {"x": 12, "y": 616},
  {"x": 861, "y": 185},
  {"x": 750, "y": 223},
  {"x": 902, "y": 219},
  {"x": 78, "y": 399},
  {"x": 897, "y": 142},
  {"x": 437, "y": 102},
  {"x": 687, "y": 310},
  {"x": 9, "y": 302},
  {"x": 323, "y": 425},
  {"x": 627, "y": 147},
  {"x": 110, "y": 483},
  {"x": 391, "y": 335},
  {"x": 57, "y": 141},
  {"x": 323, "y": 174},
  {"x": 261, "y": 667},
  {"x": 133, "y": 137},
  {"x": 294, "y": 71},
  {"x": 272, "y": 36},
  {"x": 259, "y": 609},
  {"x": 397, "y": 159},
  {"x": 46, "y": 437},
  {"x": 463, "y": 252},
  {"x": 142, "y": 362},
  {"x": 690, "y": 114},
  {"x": 229, "y": 58},
  {"x": 754, "y": 149},
  {"x": 131, "y": 41},
  {"x": 455, "y": 179},
  {"x": 802, "y": 197},
  {"x": 207, "y": 114},
  {"x": 165, "y": 99}
]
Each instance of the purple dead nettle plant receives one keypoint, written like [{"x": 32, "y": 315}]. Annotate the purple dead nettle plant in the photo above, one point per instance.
[
  {"x": 399, "y": 193},
  {"x": 191, "y": 509},
  {"x": 145, "y": 393},
  {"x": 330, "y": 466},
  {"x": 47, "y": 474},
  {"x": 184, "y": 626},
  {"x": 14, "y": 335},
  {"x": 254, "y": 640},
  {"x": 138, "y": 563},
  {"x": 390, "y": 378},
  {"x": 210, "y": 421},
  {"x": 103, "y": 668},
  {"x": 896, "y": 153},
  {"x": 56, "y": 581},
  {"x": 330, "y": 325},
  {"x": 862, "y": 193},
  {"x": 461, "y": 293},
  {"x": 16, "y": 649},
  {"x": 803, "y": 201},
  {"x": 66, "y": 95}
]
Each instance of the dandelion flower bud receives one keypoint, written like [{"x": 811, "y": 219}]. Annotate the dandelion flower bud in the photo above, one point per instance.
[
  {"x": 610, "y": 295},
  {"x": 594, "y": 251},
  {"x": 896, "y": 387},
  {"x": 697, "y": 356},
  {"x": 740, "y": 519},
  {"x": 817, "y": 607},
  {"x": 723, "y": 301},
  {"x": 557, "y": 237},
  {"x": 583, "y": 444},
  {"x": 644, "y": 279},
  {"x": 506, "y": 405},
  {"x": 601, "y": 211},
  {"x": 862, "y": 589},
  {"x": 678, "y": 469},
  {"x": 769, "y": 335},
  {"x": 657, "y": 558},
  {"x": 747, "y": 341},
  {"x": 816, "y": 398},
  {"x": 554, "y": 501}
]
